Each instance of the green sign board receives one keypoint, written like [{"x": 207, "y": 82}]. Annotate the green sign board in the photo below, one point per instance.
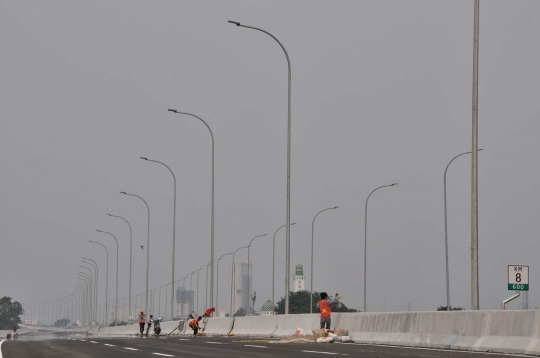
[{"x": 518, "y": 287}]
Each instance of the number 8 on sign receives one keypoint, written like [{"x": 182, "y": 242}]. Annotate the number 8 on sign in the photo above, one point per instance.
[{"x": 518, "y": 277}]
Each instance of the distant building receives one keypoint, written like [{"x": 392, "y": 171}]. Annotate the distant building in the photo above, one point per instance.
[
  {"x": 268, "y": 308},
  {"x": 184, "y": 302},
  {"x": 299, "y": 279},
  {"x": 240, "y": 295}
]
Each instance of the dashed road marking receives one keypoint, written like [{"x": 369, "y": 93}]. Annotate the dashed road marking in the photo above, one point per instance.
[
  {"x": 92, "y": 342},
  {"x": 161, "y": 354},
  {"x": 82, "y": 340},
  {"x": 320, "y": 352},
  {"x": 110, "y": 345},
  {"x": 216, "y": 343},
  {"x": 131, "y": 349},
  {"x": 250, "y": 345}
]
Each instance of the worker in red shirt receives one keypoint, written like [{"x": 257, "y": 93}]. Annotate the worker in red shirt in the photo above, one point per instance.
[
  {"x": 209, "y": 311},
  {"x": 324, "y": 307},
  {"x": 194, "y": 324}
]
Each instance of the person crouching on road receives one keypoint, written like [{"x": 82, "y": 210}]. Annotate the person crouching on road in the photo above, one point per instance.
[
  {"x": 324, "y": 307},
  {"x": 194, "y": 324},
  {"x": 142, "y": 322}
]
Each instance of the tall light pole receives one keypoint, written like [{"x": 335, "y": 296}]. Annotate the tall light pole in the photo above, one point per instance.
[
  {"x": 96, "y": 268},
  {"x": 446, "y": 234},
  {"x": 130, "y": 259},
  {"x": 212, "y": 205},
  {"x": 365, "y": 243},
  {"x": 106, "y": 283},
  {"x": 217, "y": 278},
  {"x": 92, "y": 290},
  {"x": 116, "y": 298},
  {"x": 288, "y": 215},
  {"x": 173, "y": 230},
  {"x": 475, "y": 305},
  {"x": 312, "y": 240},
  {"x": 147, "y": 249},
  {"x": 249, "y": 271},
  {"x": 198, "y": 286},
  {"x": 233, "y": 281},
  {"x": 274, "y": 263}
]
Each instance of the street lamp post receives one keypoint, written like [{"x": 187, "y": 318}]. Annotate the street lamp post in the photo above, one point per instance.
[
  {"x": 92, "y": 290},
  {"x": 312, "y": 239},
  {"x": 446, "y": 233},
  {"x": 147, "y": 249},
  {"x": 198, "y": 287},
  {"x": 217, "y": 279},
  {"x": 130, "y": 259},
  {"x": 365, "y": 242},
  {"x": 116, "y": 299},
  {"x": 249, "y": 272},
  {"x": 288, "y": 216},
  {"x": 274, "y": 262},
  {"x": 233, "y": 281},
  {"x": 212, "y": 205},
  {"x": 96, "y": 268},
  {"x": 174, "y": 228},
  {"x": 106, "y": 283}
]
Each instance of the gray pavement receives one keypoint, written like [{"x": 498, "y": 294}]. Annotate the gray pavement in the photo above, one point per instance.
[{"x": 233, "y": 347}]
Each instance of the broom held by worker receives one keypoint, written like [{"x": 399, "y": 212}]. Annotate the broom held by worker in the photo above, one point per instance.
[{"x": 324, "y": 308}]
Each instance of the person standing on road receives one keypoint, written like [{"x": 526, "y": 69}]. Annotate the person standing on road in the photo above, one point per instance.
[
  {"x": 194, "y": 324},
  {"x": 150, "y": 321},
  {"x": 324, "y": 307},
  {"x": 142, "y": 322}
]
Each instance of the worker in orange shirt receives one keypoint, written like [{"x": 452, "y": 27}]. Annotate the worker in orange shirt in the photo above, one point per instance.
[
  {"x": 324, "y": 307},
  {"x": 142, "y": 322},
  {"x": 194, "y": 324}
]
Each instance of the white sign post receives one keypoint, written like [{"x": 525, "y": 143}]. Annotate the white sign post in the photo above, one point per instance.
[{"x": 518, "y": 278}]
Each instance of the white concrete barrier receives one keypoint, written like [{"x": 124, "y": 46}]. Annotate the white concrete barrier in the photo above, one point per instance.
[
  {"x": 275, "y": 325},
  {"x": 497, "y": 331},
  {"x": 219, "y": 326}
]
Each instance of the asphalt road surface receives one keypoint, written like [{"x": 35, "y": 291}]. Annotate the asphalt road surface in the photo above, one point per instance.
[{"x": 233, "y": 347}]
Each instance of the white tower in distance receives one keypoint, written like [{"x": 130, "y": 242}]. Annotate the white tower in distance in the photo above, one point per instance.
[{"x": 299, "y": 279}]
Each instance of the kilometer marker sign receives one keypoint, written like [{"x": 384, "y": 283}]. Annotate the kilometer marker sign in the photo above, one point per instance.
[{"x": 518, "y": 278}]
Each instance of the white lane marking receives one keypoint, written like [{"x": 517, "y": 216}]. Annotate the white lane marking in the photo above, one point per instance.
[
  {"x": 250, "y": 345},
  {"x": 216, "y": 343},
  {"x": 92, "y": 342},
  {"x": 184, "y": 339},
  {"x": 161, "y": 354},
  {"x": 110, "y": 345},
  {"x": 438, "y": 349},
  {"x": 82, "y": 340},
  {"x": 131, "y": 349},
  {"x": 320, "y": 352},
  {"x": 2, "y": 341}
]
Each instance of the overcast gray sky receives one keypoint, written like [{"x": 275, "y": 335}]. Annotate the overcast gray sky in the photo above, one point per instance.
[{"x": 381, "y": 93}]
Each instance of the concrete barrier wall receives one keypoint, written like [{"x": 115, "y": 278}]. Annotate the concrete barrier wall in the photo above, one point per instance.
[
  {"x": 275, "y": 325},
  {"x": 221, "y": 326},
  {"x": 498, "y": 331}
]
